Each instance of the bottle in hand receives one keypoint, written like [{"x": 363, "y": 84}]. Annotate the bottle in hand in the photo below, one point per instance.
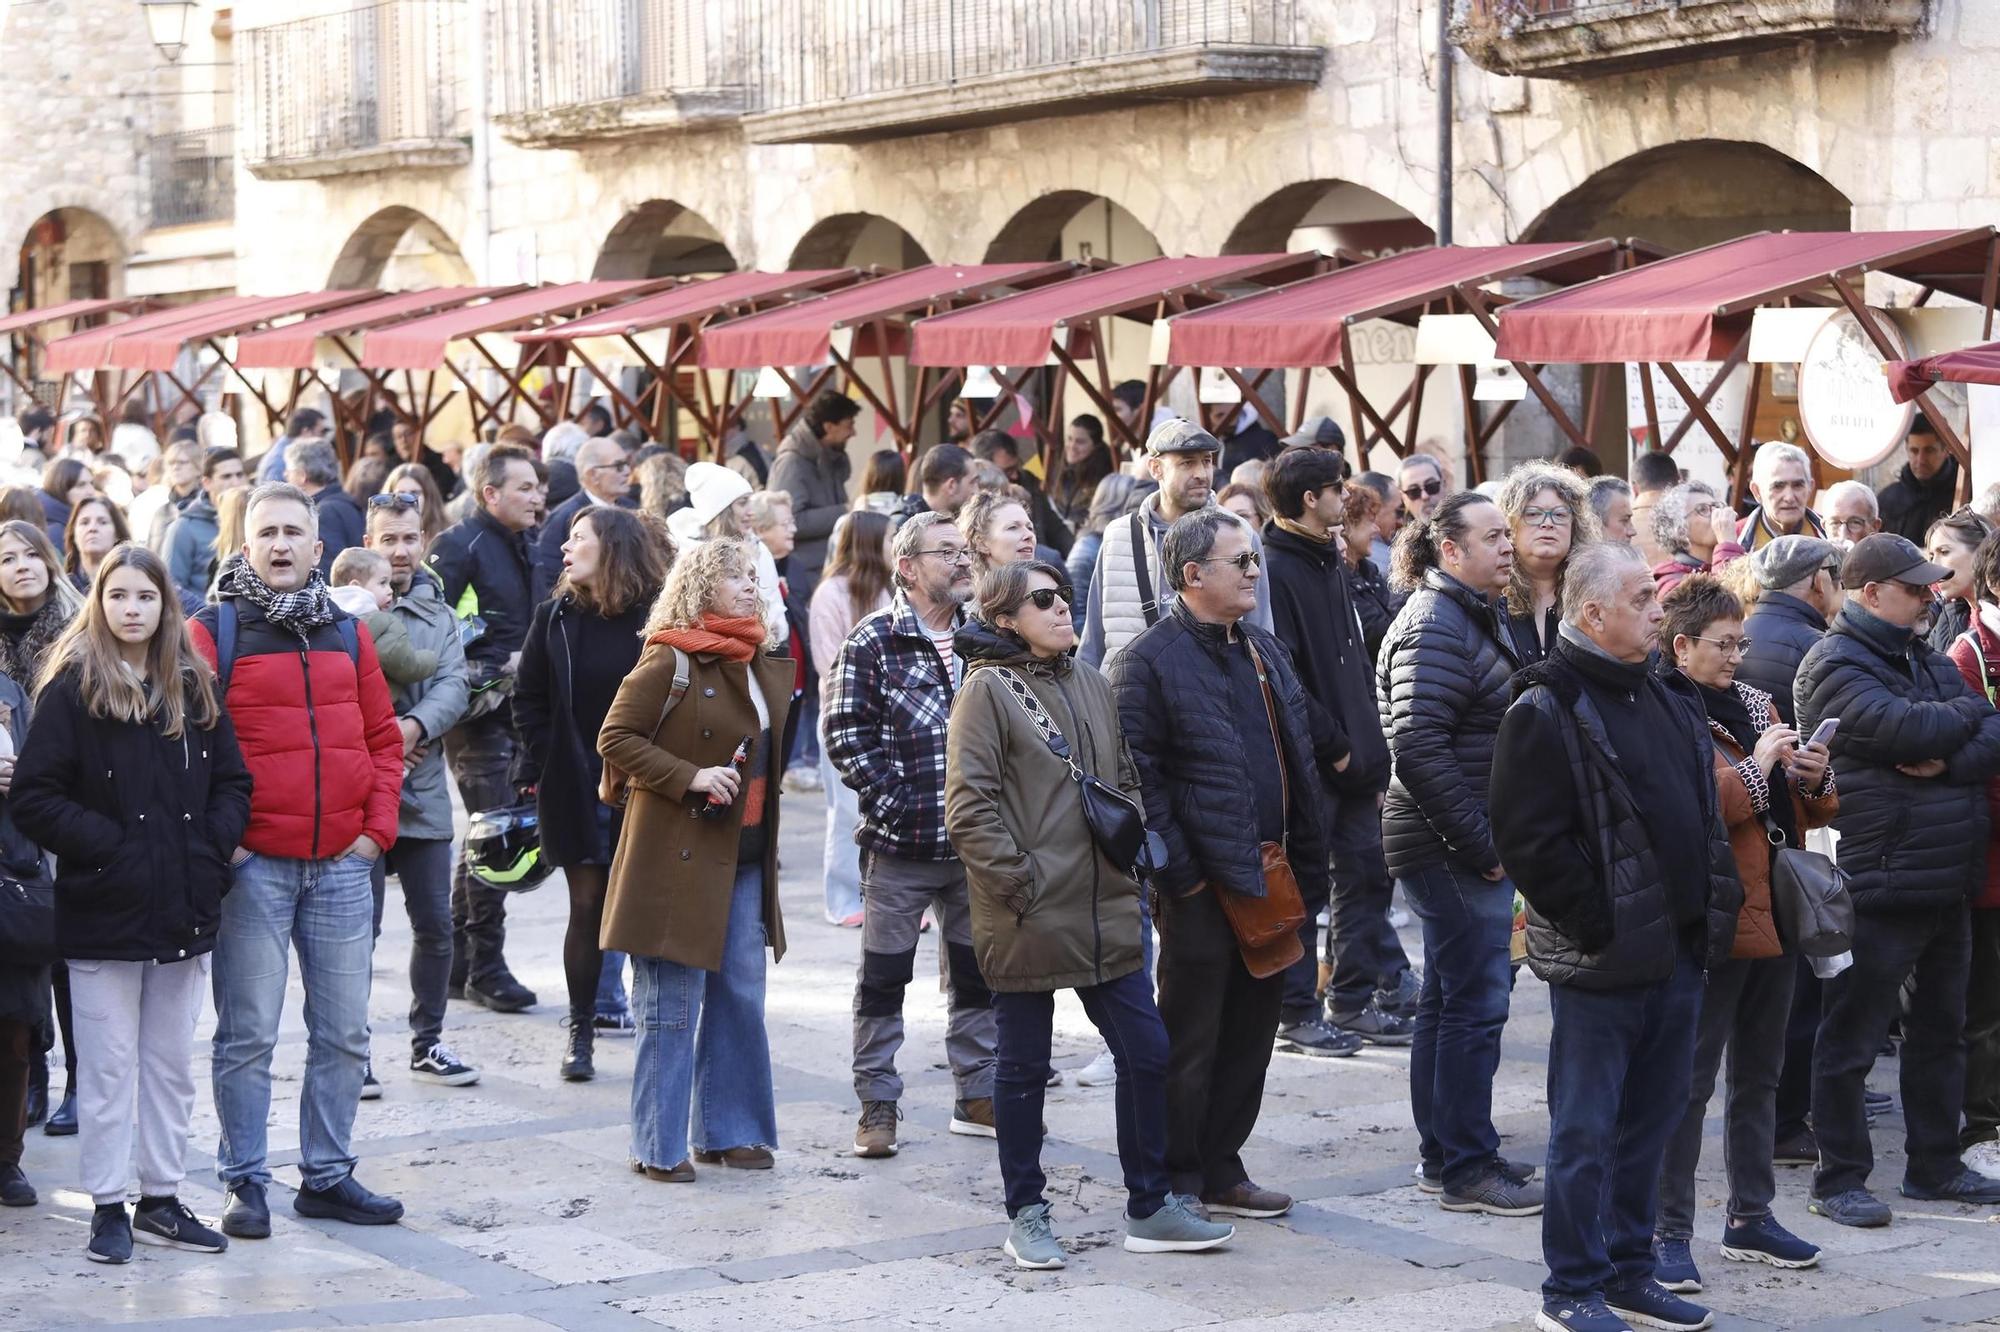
[{"x": 716, "y": 806}]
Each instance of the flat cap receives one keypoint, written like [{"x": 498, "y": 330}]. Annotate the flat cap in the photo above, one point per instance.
[{"x": 1792, "y": 559}]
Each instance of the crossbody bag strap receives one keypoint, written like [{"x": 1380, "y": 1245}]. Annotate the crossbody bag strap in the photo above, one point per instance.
[
  {"x": 1149, "y": 607},
  {"x": 1277, "y": 737},
  {"x": 675, "y": 693},
  {"x": 1052, "y": 735}
]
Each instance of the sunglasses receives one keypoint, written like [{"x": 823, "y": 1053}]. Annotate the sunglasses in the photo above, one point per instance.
[
  {"x": 1244, "y": 562},
  {"x": 1046, "y": 597},
  {"x": 394, "y": 499},
  {"x": 1427, "y": 489}
]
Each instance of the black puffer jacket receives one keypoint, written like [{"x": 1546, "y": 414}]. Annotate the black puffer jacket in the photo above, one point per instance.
[
  {"x": 1781, "y": 630},
  {"x": 1910, "y": 506},
  {"x": 1441, "y": 686},
  {"x": 485, "y": 570},
  {"x": 1182, "y": 734},
  {"x": 1314, "y": 614},
  {"x": 1577, "y": 842},
  {"x": 1908, "y": 843},
  {"x": 142, "y": 827},
  {"x": 1373, "y": 602}
]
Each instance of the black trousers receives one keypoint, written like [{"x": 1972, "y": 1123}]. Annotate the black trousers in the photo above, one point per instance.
[
  {"x": 1220, "y": 1025},
  {"x": 1801, "y": 1031},
  {"x": 17, "y": 1040},
  {"x": 1982, "y": 1032},
  {"x": 482, "y": 756}
]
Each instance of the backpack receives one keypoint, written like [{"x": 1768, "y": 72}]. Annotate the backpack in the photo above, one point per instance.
[{"x": 225, "y": 641}]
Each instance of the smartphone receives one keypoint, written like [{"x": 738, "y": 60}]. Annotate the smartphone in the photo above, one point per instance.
[{"x": 1823, "y": 733}]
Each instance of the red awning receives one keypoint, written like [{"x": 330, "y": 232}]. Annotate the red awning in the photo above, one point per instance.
[
  {"x": 159, "y": 346},
  {"x": 1695, "y": 306},
  {"x": 1021, "y": 330},
  {"x": 1967, "y": 365},
  {"x": 420, "y": 343},
  {"x": 802, "y": 333},
  {"x": 292, "y": 346},
  {"x": 89, "y": 349},
  {"x": 1305, "y": 324},
  {"x": 71, "y": 310},
  {"x": 693, "y": 302}
]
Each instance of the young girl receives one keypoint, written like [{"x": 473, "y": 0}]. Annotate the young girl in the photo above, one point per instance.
[{"x": 131, "y": 775}]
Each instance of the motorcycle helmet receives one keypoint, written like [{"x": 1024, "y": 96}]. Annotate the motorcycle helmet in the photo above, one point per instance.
[{"x": 504, "y": 848}]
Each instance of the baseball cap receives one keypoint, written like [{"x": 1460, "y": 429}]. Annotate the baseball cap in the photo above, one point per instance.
[
  {"x": 1180, "y": 435},
  {"x": 1321, "y": 432},
  {"x": 1791, "y": 559},
  {"x": 1886, "y": 557}
]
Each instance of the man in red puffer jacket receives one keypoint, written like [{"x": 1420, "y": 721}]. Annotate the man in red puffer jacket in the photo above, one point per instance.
[
  {"x": 313, "y": 715},
  {"x": 1976, "y": 653}
]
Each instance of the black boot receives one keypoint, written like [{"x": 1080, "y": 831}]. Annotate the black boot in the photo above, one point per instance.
[
  {"x": 38, "y": 1089},
  {"x": 576, "y": 1064},
  {"x": 62, "y": 1121}
]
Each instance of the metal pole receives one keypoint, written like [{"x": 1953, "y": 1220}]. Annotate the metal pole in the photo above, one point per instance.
[{"x": 1444, "y": 111}]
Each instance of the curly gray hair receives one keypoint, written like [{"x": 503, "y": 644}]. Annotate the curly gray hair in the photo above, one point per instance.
[{"x": 1670, "y": 514}]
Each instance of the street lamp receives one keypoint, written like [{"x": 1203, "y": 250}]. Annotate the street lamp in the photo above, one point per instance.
[{"x": 166, "y": 21}]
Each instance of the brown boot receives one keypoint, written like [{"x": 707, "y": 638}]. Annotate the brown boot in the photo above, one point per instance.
[
  {"x": 738, "y": 1158},
  {"x": 875, "y": 1136}
]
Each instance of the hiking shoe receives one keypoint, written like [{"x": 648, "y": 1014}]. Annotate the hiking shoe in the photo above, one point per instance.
[
  {"x": 738, "y": 1158},
  {"x": 441, "y": 1066},
  {"x": 168, "y": 1222},
  {"x": 502, "y": 994},
  {"x": 1673, "y": 1266},
  {"x": 1765, "y": 1241},
  {"x": 1376, "y": 1026},
  {"x": 1430, "y": 1174},
  {"x": 1315, "y": 1036},
  {"x": 1648, "y": 1305},
  {"x": 1402, "y": 1001},
  {"x": 371, "y": 1090},
  {"x": 1246, "y": 1199},
  {"x": 577, "y": 1063},
  {"x": 1800, "y": 1149},
  {"x": 1174, "y": 1229},
  {"x": 614, "y": 1024},
  {"x": 245, "y": 1214},
  {"x": 1967, "y": 1186},
  {"x": 1585, "y": 1315},
  {"x": 974, "y": 1118},
  {"x": 348, "y": 1201},
  {"x": 1496, "y": 1195},
  {"x": 1856, "y": 1207},
  {"x": 876, "y": 1134},
  {"x": 1031, "y": 1242},
  {"x": 110, "y": 1235},
  {"x": 15, "y": 1190},
  {"x": 1099, "y": 1072}
]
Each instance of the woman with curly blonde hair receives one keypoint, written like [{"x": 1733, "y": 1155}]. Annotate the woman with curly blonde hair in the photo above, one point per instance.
[
  {"x": 1548, "y": 511},
  {"x": 997, "y": 526},
  {"x": 693, "y": 894}
]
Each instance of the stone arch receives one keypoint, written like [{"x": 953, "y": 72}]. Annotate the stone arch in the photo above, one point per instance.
[
  {"x": 1695, "y": 192},
  {"x": 662, "y": 238},
  {"x": 1073, "y": 224},
  {"x": 857, "y": 238},
  {"x": 1345, "y": 216},
  {"x": 70, "y": 253},
  {"x": 399, "y": 248}
]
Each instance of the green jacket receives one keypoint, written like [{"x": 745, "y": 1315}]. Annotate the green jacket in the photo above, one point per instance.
[{"x": 1049, "y": 912}]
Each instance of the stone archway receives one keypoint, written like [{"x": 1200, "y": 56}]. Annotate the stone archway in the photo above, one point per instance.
[
  {"x": 70, "y": 254},
  {"x": 662, "y": 238},
  {"x": 1694, "y": 193},
  {"x": 857, "y": 239},
  {"x": 399, "y": 249},
  {"x": 1332, "y": 214},
  {"x": 1073, "y": 224}
]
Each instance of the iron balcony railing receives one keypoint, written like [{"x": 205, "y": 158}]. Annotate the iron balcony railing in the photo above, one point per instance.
[
  {"x": 369, "y": 77},
  {"x": 546, "y": 55},
  {"x": 821, "y": 51},
  {"x": 193, "y": 176}
]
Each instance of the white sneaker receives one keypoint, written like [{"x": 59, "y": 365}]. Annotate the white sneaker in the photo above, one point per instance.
[
  {"x": 1983, "y": 1157},
  {"x": 1399, "y": 919},
  {"x": 1099, "y": 1072}
]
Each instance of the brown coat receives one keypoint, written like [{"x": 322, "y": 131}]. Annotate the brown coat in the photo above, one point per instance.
[
  {"x": 673, "y": 873},
  {"x": 1757, "y": 926}
]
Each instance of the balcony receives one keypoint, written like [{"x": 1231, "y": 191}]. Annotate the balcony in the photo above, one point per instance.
[
  {"x": 844, "y": 71},
  {"x": 567, "y": 71},
  {"x": 366, "y": 89},
  {"x": 193, "y": 176},
  {"x": 1569, "y": 39}
]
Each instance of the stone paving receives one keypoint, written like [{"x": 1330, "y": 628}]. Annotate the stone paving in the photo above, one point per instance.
[{"x": 523, "y": 1215}]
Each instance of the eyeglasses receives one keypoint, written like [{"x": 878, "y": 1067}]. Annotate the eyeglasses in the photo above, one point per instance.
[
  {"x": 1428, "y": 488},
  {"x": 1556, "y": 517},
  {"x": 394, "y": 499},
  {"x": 620, "y": 466},
  {"x": 1046, "y": 597},
  {"x": 950, "y": 554},
  {"x": 1729, "y": 647},
  {"x": 1701, "y": 511},
  {"x": 1245, "y": 561},
  {"x": 1855, "y": 528}
]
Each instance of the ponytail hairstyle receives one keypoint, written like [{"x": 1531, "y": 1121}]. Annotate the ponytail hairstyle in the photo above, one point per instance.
[
  {"x": 1420, "y": 545},
  {"x": 179, "y": 687}
]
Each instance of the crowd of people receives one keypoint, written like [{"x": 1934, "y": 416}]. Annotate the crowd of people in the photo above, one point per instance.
[{"x": 1173, "y": 735}]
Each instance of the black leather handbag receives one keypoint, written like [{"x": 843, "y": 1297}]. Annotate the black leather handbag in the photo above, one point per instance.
[
  {"x": 1117, "y": 825},
  {"x": 27, "y": 921},
  {"x": 1809, "y": 897}
]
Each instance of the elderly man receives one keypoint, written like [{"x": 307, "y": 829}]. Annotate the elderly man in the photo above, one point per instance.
[
  {"x": 1388, "y": 518},
  {"x": 1216, "y": 721},
  {"x": 1605, "y": 814},
  {"x": 604, "y": 476},
  {"x": 1781, "y": 482},
  {"x": 1927, "y": 487},
  {"x": 1421, "y": 479},
  {"x": 1853, "y": 514},
  {"x": 1914, "y": 749}
]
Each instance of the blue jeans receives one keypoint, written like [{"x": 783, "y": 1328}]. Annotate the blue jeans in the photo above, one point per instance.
[
  {"x": 325, "y": 909},
  {"x": 1123, "y": 1013},
  {"x": 1620, "y": 1063},
  {"x": 702, "y": 1071},
  {"x": 843, "y": 857},
  {"x": 611, "y": 987},
  {"x": 1461, "y": 1009}
]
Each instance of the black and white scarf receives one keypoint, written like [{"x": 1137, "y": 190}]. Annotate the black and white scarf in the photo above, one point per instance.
[{"x": 299, "y": 612}]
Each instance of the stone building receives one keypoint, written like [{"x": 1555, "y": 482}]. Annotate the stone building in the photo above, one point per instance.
[{"x": 422, "y": 141}]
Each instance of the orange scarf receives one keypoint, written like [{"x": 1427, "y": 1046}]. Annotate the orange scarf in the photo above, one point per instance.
[{"x": 731, "y": 637}]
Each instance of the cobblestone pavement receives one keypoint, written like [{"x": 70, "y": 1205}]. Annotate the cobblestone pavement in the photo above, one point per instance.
[{"x": 523, "y": 1215}]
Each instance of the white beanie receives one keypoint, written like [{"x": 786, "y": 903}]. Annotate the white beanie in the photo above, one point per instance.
[{"x": 710, "y": 489}]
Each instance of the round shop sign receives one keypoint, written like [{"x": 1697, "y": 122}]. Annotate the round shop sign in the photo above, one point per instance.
[{"x": 1844, "y": 403}]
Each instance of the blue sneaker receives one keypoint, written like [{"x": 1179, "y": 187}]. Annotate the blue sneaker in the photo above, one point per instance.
[
  {"x": 1673, "y": 1266},
  {"x": 1854, "y": 1207},
  {"x": 1585, "y": 1315},
  {"x": 1765, "y": 1241},
  {"x": 1648, "y": 1305}
]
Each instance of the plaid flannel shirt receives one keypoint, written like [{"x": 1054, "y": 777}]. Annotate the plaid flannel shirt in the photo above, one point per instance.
[{"x": 886, "y": 707}]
